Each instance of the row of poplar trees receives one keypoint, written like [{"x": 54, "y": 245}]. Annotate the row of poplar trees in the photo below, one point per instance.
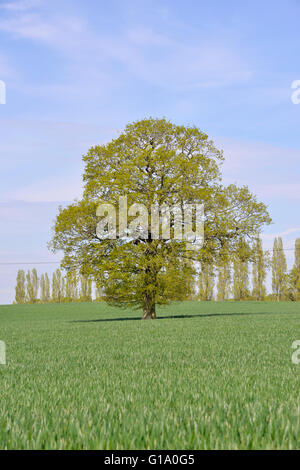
[
  {"x": 230, "y": 280},
  {"x": 31, "y": 288}
]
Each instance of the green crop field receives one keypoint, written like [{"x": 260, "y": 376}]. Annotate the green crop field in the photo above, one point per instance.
[{"x": 205, "y": 375}]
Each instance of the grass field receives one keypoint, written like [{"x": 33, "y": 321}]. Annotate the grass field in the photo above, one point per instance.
[{"x": 87, "y": 376}]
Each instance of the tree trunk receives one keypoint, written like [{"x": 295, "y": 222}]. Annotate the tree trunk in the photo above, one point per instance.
[{"x": 149, "y": 310}]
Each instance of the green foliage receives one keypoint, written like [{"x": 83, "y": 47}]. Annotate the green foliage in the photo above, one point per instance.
[
  {"x": 32, "y": 286},
  {"x": 279, "y": 271},
  {"x": 259, "y": 272},
  {"x": 71, "y": 287},
  {"x": 20, "y": 289},
  {"x": 64, "y": 288},
  {"x": 294, "y": 275},
  {"x": 47, "y": 296},
  {"x": 58, "y": 286},
  {"x": 220, "y": 379},
  {"x": 206, "y": 281},
  {"x": 85, "y": 289},
  {"x": 45, "y": 288},
  {"x": 241, "y": 271},
  {"x": 78, "y": 288},
  {"x": 99, "y": 293},
  {"x": 224, "y": 280},
  {"x": 154, "y": 162}
]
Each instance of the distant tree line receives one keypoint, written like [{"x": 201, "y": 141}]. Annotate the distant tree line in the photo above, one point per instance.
[
  {"x": 71, "y": 287},
  {"x": 230, "y": 280}
]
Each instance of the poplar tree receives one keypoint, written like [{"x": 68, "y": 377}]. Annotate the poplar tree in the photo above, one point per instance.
[
  {"x": 99, "y": 294},
  {"x": 42, "y": 288},
  {"x": 71, "y": 288},
  {"x": 153, "y": 162},
  {"x": 294, "y": 277},
  {"x": 45, "y": 288},
  {"x": 57, "y": 286},
  {"x": 279, "y": 270},
  {"x": 20, "y": 288},
  {"x": 206, "y": 281},
  {"x": 240, "y": 279},
  {"x": 85, "y": 289},
  {"x": 32, "y": 286},
  {"x": 259, "y": 271},
  {"x": 224, "y": 281},
  {"x": 241, "y": 271}
]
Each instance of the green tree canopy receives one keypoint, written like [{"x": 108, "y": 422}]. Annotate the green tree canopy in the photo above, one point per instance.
[{"x": 154, "y": 162}]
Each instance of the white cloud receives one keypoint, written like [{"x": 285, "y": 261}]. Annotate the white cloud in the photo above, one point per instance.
[
  {"x": 271, "y": 236},
  {"x": 152, "y": 56},
  {"x": 63, "y": 188},
  {"x": 20, "y": 5},
  {"x": 33, "y": 26}
]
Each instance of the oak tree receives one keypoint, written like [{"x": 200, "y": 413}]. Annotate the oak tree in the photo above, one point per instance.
[{"x": 154, "y": 162}]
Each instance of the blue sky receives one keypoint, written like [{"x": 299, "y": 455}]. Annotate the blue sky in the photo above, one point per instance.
[{"x": 77, "y": 71}]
